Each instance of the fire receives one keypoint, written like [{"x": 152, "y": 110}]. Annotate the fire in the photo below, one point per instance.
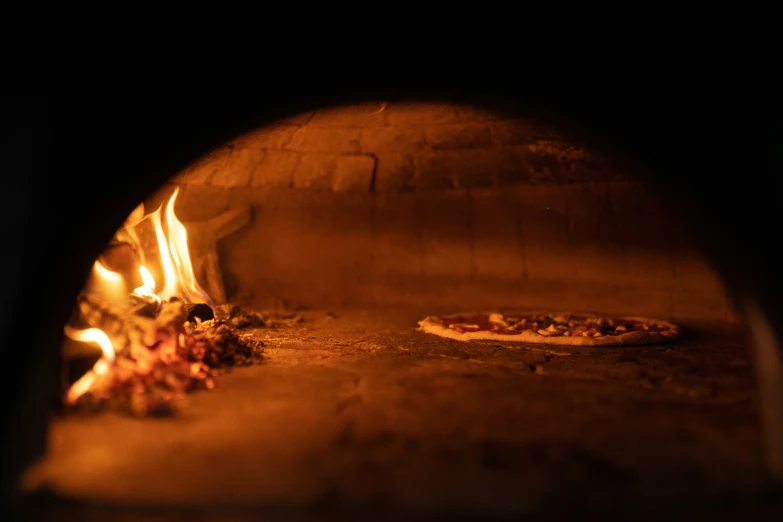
[
  {"x": 169, "y": 273},
  {"x": 178, "y": 276},
  {"x": 147, "y": 278},
  {"x": 109, "y": 284},
  {"x": 101, "y": 367},
  {"x": 179, "y": 279},
  {"x": 147, "y": 289}
]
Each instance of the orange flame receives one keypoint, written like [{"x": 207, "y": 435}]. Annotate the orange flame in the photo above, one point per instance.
[
  {"x": 179, "y": 278},
  {"x": 147, "y": 278},
  {"x": 109, "y": 284},
  {"x": 147, "y": 289},
  {"x": 179, "y": 281},
  {"x": 99, "y": 337},
  {"x": 169, "y": 273}
]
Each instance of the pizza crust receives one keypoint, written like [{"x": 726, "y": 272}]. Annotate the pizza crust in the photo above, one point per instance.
[{"x": 433, "y": 325}]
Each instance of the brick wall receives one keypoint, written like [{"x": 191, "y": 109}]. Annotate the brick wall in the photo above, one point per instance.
[
  {"x": 381, "y": 147},
  {"x": 442, "y": 208}
]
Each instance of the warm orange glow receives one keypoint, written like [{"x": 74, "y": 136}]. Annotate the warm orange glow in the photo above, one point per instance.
[
  {"x": 169, "y": 274},
  {"x": 93, "y": 335},
  {"x": 99, "y": 337},
  {"x": 179, "y": 281},
  {"x": 147, "y": 289},
  {"x": 109, "y": 284},
  {"x": 129, "y": 233},
  {"x": 80, "y": 387},
  {"x": 178, "y": 242},
  {"x": 179, "y": 278},
  {"x": 147, "y": 278}
]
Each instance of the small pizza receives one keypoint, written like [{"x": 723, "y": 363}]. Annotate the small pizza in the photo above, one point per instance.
[{"x": 570, "y": 329}]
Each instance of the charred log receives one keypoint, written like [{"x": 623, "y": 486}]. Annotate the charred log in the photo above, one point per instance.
[{"x": 200, "y": 311}]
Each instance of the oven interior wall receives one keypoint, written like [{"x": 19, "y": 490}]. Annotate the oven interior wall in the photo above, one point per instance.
[{"x": 437, "y": 206}]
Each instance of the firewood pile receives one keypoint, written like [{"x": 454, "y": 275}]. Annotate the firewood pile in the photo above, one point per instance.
[{"x": 163, "y": 350}]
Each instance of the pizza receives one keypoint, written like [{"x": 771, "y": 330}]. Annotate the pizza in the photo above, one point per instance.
[{"x": 572, "y": 329}]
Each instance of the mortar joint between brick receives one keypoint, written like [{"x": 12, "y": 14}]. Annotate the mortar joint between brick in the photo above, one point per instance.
[
  {"x": 374, "y": 174},
  {"x": 208, "y": 179},
  {"x": 299, "y": 157},
  {"x": 290, "y": 139}
]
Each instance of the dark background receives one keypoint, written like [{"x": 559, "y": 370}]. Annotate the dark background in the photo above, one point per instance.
[{"x": 87, "y": 135}]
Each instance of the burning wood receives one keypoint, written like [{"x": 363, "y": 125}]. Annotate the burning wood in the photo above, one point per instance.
[
  {"x": 156, "y": 360},
  {"x": 156, "y": 347}
]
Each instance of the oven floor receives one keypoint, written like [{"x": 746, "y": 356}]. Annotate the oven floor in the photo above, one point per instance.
[{"x": 355, "y": 412}]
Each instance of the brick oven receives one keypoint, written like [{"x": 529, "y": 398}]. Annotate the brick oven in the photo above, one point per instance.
[{"x": 361, "y": 216}]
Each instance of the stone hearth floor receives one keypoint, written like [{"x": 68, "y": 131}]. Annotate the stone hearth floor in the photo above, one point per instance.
[{"x": 355, "y": 412}]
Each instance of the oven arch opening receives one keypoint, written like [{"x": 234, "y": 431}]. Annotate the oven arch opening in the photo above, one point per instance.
[{"x": 478, "y": 189}]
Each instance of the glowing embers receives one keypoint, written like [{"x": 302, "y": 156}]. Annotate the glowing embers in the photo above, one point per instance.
[
  {"x": 153, "y": 347},
  {"x": 152, "y": 367}
]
